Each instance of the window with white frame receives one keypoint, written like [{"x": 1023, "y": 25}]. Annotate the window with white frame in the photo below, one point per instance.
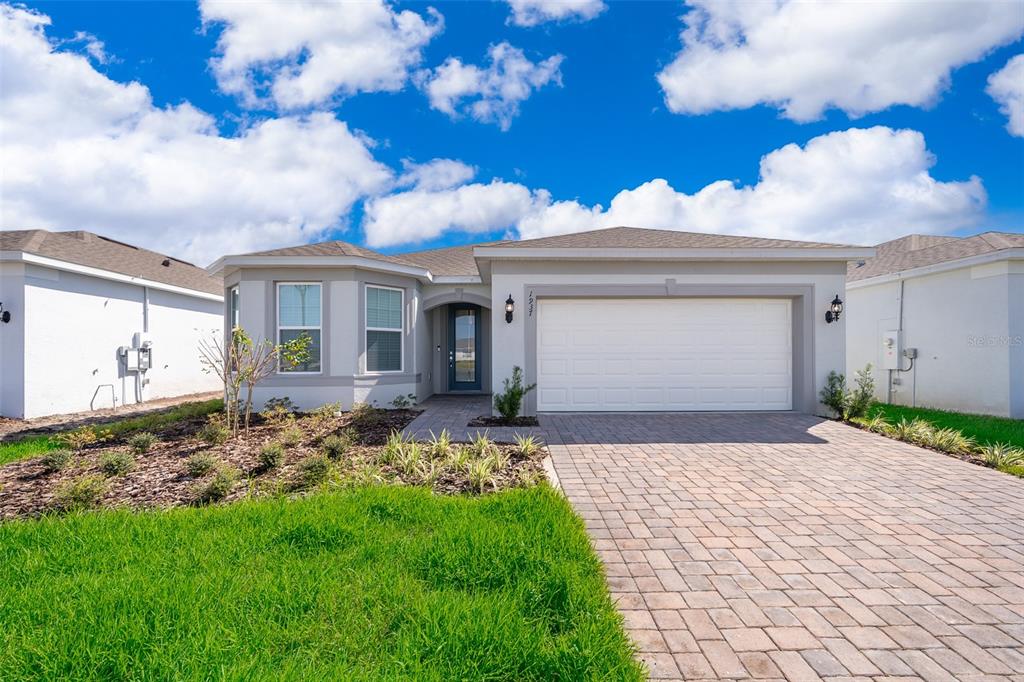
[
  {"x": 234, "y": 317},
  {"x": 384, "y": 329},
  {"x": 298, "y": 314}
]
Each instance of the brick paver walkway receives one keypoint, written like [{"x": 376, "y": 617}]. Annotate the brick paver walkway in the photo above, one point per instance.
[
  {"x": 783, "y": 546},
  {"x": 453, "y": 412}
]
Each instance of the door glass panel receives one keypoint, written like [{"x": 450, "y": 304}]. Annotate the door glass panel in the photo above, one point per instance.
[{"x": 465, "y": 346}]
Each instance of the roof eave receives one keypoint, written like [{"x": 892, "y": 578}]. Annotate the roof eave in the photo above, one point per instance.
[
  {"x": 226, "y": 264},
  {"x": 805, "y": 253}
]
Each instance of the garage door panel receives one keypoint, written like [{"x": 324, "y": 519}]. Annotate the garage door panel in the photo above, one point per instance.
[{"x": 664, "y": 354}]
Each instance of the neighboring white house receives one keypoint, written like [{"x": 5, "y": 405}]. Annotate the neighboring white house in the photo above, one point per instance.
[
  {"x": 621, "y": 319},
  {"x": 81, "y": 312},
  {"x": 955, "y": 303}
]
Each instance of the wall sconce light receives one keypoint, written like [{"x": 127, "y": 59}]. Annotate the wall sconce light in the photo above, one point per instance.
[
  {"x": 834, "y": 311},
  {"x": 510, "y": 305},
  {"x": 5, "y": 315}
]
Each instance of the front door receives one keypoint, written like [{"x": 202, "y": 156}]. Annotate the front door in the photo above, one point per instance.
[{"x": 463, "y": 347}]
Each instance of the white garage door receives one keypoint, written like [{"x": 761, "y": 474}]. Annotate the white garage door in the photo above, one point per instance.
[{"x": 664, "y": 354}]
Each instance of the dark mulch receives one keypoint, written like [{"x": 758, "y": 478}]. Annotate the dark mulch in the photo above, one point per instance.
[
  {"x": 487, "y": 420},
  {"x": 159, "y": 478}
]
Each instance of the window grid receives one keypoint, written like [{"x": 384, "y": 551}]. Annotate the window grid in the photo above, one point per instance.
[
  {"x": 316, "y": 354},
  {"x": 392, "y": 323}
]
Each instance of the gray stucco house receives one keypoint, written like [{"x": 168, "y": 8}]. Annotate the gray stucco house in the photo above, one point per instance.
[{"x": 620, "y": 319}]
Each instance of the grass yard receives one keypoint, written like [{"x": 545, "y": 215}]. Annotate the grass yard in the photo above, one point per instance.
[
  {"x": 984, "y": 429},
  {"x": 365, "y": 584},
  {"x": 34, "y": 446}
]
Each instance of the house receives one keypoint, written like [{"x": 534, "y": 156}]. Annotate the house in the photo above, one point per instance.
[
  {"x": 621, "y": 319},
  {"x": 941, "y": 319},
  {"x": 88, "y": 323}
]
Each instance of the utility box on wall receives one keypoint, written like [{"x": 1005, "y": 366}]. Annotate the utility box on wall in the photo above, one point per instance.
[{"x": 892, "y": 342}]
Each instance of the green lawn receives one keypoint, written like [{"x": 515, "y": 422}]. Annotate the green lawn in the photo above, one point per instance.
[
  {"x": 983, "y": 429},
  {"x": 367, "y": 584},
  {"x": 37, "y": 445}
]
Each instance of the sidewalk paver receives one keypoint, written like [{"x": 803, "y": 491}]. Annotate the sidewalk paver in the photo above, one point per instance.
[{"x": 753, "y": 546}]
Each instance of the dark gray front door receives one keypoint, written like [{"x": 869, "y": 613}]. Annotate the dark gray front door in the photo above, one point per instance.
[{"x": 463, "y": 347}]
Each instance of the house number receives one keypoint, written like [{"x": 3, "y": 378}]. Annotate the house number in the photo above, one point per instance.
[{"x": 530, "y": 304}]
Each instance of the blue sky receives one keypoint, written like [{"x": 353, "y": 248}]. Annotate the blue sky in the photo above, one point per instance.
[{"x": 603, "y": 124}]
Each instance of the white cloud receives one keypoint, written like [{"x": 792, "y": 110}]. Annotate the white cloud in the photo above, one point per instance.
[
  {"x": 491, "y": 94},
  {"x": 419, "y": 215},
  {"x": 806, "y": 57},
  {"x": 1006, "y": 87},
  {"x": 435, "y": 174},
  {"x": 303, "y": 53},
  {"x": 860, "y": 186},
  {"x": 534, "y": 12},
  {"x": 84, "y": 152},
  {"x": 856, "y": 186}
]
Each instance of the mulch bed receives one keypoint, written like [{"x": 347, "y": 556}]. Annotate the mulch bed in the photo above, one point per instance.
[
  {"x": 490, "y": 421},
  {"x": 159, "y": 478}
]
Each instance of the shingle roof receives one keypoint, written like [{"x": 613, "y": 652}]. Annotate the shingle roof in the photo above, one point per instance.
[
  {"x": 93, "y": 250},
  {"x": 919, "y": 250},
  {"x": 459, "y": 260},
  {"x": 642, "y": 238}
]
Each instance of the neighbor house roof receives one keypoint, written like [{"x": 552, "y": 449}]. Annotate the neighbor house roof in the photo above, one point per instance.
[
  {"x": 920, "y": 250},
  {"x": 95, "y": 251},
  {"x": 462, "y": 261}
]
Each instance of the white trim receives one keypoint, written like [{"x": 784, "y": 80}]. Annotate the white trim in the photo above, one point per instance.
[
  {"x": 100, "y": 273},
  {"x": 226, "y": 262},
  {"x": 755, "y": 254},
  {"x": 319, "y": 328},
  {"x": 367, "y": 328},
  {"x": 458, "y": 279},
  {"x": 980, "y": 259}
]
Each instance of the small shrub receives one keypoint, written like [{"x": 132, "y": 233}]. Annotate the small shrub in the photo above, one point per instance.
[
  {"x": 951, "y": 440},
  {"x": 460, "y": 458},
  {"x": 366, "y": 416},
  {"x": 501, "y": 458},
  {"x": 272, "y": 455},
  {"x": 528, "y": 446},
  {"x": 214, "y": 431},
  {"x": 429, "y": 471},
  {"x": 55, "y": 460},
  {"x": 335, "y": 447},
  {"x": 278, "y": 411},
  {"x": 862, "y": 397},
  {"x": 834, "y": 396},
  {"x": 480, "y": 473},
  {"x": 78, "y": 439},
  {"x": 877, "y": 424},
  {"x": 367, "y": 475},
  {"x": 529, "y": 478},
  {"x": 314, "y": 470},
  {"x": 404, "y": 401},
  {"x": 394, "y": 447},
  {"x": 510, "y": 401},
  {"x": 913, "y": 431},
  {"x": 219, "y": 486},
  {"x": 291, "y": 436},
  {"x": 1002, "y": 455},
  {"x": 482, "y": 446},
  {"x": 80, "y": 493},
  {"x": 325, "y": 413},
  {"x": 141, "y": 442},
  {"x": 200, "y": 464},
  {"x": 409, "y": 458},
  {"x": 440, "y": 446},
  {"x": 117, "y": 463}
]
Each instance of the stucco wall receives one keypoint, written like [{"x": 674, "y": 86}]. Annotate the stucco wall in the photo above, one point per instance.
[
  {"x": 74, "y": 325},
  {"x": 343, "y": 377},
  {"x": 825, "y": 348},
  {"x": 960, "y": 322},
  {"x": 12, "y": 341}
]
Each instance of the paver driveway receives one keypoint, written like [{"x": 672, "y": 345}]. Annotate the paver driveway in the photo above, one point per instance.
[{"x": 784, "y": 546}]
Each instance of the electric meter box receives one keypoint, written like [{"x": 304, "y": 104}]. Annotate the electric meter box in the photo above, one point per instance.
[{"x": 892, "y": 342}]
